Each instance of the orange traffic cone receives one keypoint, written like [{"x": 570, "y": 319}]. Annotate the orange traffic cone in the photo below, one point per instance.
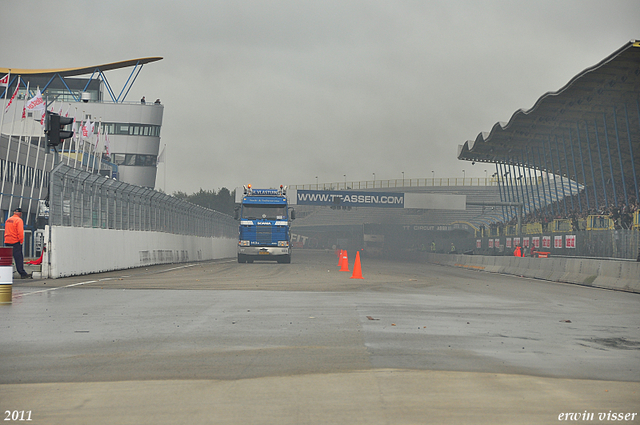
[
  {"x": 345, "y": 261},
  {"x": 339, "y": 258},
  {"x": 357, "y": 269}
]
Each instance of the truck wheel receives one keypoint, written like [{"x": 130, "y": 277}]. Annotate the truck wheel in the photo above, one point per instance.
[{"x": 286, "y": 259}]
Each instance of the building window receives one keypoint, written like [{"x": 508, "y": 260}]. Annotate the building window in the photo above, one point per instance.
[{"x": 138, "y": 160}]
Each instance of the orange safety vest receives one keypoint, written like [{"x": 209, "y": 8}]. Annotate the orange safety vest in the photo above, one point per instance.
[
  {"x": 517, "y": 252},
  {"x": 13, "y": 230}
]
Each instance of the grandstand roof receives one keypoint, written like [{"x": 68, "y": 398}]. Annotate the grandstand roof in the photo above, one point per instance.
[
  {"x": 579, "y": 114},
  {"x": 70, "y": 72}
]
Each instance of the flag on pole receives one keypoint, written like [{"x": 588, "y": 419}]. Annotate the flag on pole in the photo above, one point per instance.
[
  {"x": 4, "y": 81},
  {"x": 36, "y": 103},
  {"x": 87, "y": 129},
  {"x": 12, "y": 97},
  {"x": 161, "y": 156},
  {"x": 107, "y": 145},
  {"x": 98, "y": 137}
]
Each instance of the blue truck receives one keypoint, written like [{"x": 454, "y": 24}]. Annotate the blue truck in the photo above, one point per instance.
[{"x": 265, "y": 225}]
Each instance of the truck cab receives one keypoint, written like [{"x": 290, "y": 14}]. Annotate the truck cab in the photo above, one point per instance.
[{"x": 265, "y": 223}]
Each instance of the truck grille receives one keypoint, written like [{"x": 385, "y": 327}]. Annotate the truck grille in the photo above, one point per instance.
[{"x": 263, "y": 234}]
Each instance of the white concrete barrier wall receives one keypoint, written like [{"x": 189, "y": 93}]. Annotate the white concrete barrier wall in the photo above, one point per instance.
[
  {"x": 76, "y": 251},
  {"x": 610, "y": 274}
]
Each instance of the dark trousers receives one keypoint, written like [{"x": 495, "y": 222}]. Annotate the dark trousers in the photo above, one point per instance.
[{"x": 18, "y": 257}]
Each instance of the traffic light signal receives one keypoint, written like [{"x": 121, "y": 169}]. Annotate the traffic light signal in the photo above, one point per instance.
[{"x": 54, "y": 128}]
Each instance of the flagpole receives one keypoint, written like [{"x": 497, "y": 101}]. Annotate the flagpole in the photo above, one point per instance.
[
  {"x": 82, "y": 124},
  {"x": 74, "y": 139},
  {"x": 88, "y": 142},
  {"x": 5, "y": 101},
  {"x": 15, "y": 174},
  {"x": 26, "y": 162},
  {"x": 6, "y": 161},
  {"x": 97, "y": 143},
  {"x": 35, "y": 167},
  {"x": 44, "y": 171}
]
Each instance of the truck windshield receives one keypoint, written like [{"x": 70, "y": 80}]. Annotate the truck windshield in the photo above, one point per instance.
[{"x": 271, "y": 212}]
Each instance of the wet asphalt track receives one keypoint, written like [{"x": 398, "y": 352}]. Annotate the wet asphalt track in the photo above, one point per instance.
[{"x": 245, "y": 323}]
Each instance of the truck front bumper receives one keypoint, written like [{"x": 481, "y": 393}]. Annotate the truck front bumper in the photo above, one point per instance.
[{"x": 263, "y": 251}]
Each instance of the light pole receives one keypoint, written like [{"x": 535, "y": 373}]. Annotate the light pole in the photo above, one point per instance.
[
  {"x": 403, "y": 179},
  {"x": 345, "y": 181},
  {"x": 317, "y": 182},
  {"x": 374, "y": 180},
  {"x": 463, "y": 177}
]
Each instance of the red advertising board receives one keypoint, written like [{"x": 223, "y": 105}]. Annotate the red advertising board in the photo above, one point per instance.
[
  {"x": 570, "y": 241},
  {"x": 557, "y": 241}
]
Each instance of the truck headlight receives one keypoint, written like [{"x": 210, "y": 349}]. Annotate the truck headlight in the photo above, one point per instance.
[
  {"x": 244, "y": 243},
  {"x": 283, "y": 243}
]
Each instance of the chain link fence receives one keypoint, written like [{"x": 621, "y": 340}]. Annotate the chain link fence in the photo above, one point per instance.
[{"x": 81, "y": 199}]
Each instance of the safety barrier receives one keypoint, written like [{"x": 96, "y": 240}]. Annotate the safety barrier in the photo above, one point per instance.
[
  {"x": 6, "y": 275},
  {"x": 511, "y": 230},
  {"x": 636, "y": 220},
  {"x": 599, "y": 222},
  {"x": 560, "y": 225},
  {"x": 609, "y": 274},
  {"x": 532, "y": 228},
  {"x": 98, "y": 224}
]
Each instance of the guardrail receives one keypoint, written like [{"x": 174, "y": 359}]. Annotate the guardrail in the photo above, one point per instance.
[{"x": 402, "y": 183}]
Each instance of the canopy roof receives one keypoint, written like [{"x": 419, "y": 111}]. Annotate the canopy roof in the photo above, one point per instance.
[
  {"x": 70, "y": 72},
  {"x": 593, "y": 122}
]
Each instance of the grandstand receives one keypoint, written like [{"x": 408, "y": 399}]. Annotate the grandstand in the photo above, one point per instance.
[{"x": 572, "y": 161}]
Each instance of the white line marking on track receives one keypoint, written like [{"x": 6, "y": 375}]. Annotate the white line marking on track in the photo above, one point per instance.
[{"x": 99, "y": 280}]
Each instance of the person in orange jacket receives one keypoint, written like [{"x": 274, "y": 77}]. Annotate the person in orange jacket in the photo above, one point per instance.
[
  {"x": 517, "y": 252},
  {"x": 14, "y": 237}
]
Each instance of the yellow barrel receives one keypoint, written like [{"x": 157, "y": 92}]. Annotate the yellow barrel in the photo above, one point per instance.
[{"x": 6, "y": 275}]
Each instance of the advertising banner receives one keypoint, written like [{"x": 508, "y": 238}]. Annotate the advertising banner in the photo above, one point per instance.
[
  {"x": 536, "y": 241},
  {"x": 570, "y": 241},
  {"x": 557, "y": 241},
  {"x": 351, "y": 199}
]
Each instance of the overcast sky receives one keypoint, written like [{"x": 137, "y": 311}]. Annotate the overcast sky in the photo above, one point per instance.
[{"x": 281, "y": 91}]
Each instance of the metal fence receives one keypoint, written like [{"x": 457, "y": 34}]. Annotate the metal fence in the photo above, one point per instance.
[{"x": 81, "y": 199}]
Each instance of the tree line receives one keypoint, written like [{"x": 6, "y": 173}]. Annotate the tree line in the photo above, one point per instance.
[{"x": 222, "y": 201}]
